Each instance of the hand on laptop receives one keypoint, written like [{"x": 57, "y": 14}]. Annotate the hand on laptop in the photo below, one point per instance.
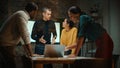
[
  {"x": 36, "y": 55},
  {"x": 66, "y": 49},
  {"x": 71, "y": 55},
  {"x": 71, "y": 46},
  {"x": 42, "y": 40}
]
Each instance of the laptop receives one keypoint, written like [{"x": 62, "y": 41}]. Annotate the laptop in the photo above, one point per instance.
[{"x": 54, "y": 50}]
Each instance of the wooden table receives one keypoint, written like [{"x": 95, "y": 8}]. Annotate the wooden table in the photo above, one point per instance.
[{"x": 76, "y": 62}]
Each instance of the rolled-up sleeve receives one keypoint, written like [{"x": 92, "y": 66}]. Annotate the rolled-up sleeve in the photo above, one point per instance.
[{"x": 81, "y": 26}]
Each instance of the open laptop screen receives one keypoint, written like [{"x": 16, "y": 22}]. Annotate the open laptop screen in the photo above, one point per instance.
[{"x": 54, "y": 50}]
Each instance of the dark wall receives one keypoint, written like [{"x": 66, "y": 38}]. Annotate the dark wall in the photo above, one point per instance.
[
  {"x": 3, "y": 11},
  {"x": 59, "y": 7}
]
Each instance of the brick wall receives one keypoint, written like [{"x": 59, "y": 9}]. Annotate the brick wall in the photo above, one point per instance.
[{"x": 59, "y": 7}]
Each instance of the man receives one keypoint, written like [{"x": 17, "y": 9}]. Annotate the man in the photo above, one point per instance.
[
  {"x": 12, "y": 31},
  {"x": 93, "y": 32},
  {"x": 42, "y": 31}
]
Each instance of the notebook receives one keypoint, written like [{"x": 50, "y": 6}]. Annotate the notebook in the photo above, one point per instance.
[{"x": 54, "y": 50}]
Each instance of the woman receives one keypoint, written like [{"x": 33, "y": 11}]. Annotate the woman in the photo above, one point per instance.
[
  {"x": 93, "y": 32},
  {"x": 68, "y": 36}
]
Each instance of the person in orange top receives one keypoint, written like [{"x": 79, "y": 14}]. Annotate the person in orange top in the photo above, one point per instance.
[{"x": 68, "y": 36}]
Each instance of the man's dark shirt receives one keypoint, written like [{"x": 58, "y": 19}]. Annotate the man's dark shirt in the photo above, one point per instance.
[{"x": 43, "y": 28}]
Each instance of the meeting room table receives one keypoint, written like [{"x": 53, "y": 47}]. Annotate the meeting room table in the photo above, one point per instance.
[{"x": 74, "y": 62}]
